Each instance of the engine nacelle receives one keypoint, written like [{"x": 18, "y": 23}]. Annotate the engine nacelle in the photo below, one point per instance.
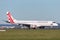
[{"x": 33, "y": 26}]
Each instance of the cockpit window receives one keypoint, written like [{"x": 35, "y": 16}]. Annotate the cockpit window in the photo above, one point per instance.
[{"x": 54, "y": 22}]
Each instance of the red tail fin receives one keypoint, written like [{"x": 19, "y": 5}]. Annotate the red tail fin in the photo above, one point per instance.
[{"x": 10, "y": 18}]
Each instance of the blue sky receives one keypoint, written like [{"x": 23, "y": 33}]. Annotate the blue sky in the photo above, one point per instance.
[{"x": 31, "y": 9}]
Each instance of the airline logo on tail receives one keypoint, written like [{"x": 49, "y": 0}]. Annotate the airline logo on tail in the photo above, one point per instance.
[{"x": 10, "y": 18}]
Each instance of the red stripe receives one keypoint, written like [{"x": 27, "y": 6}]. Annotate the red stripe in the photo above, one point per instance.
[{"x": 10, "y": 18}]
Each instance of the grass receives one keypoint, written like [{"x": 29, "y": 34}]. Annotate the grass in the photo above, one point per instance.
[{"x": 25, "y": 34}]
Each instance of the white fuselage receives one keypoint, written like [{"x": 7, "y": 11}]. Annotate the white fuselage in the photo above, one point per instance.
[{"x": 37, "y": 23}]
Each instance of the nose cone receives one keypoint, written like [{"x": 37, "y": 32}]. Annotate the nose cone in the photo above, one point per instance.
[{"x": 55, "y": 24}]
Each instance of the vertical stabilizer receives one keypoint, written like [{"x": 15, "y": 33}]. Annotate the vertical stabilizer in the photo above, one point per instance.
[{"x": 10, "y": 18}]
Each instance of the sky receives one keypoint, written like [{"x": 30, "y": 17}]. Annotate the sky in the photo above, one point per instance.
[{"x": 31, "y": 9}]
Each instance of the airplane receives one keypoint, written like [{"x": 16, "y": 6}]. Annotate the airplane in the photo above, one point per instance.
[{"x": 30, "y": 24}]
